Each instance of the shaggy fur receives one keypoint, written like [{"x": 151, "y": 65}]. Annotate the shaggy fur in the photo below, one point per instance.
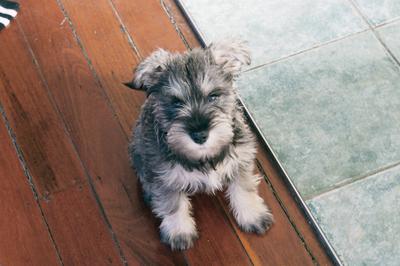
[{"x": 192, "y": 137}]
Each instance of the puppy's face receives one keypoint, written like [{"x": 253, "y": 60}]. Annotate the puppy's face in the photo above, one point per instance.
[{"x": 193, "y": 97}]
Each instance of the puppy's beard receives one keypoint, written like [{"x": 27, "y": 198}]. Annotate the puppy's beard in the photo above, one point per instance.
[{"x": 219, "y": 137}]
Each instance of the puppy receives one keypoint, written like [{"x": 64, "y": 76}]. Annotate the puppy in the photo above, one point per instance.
[{"x": 191, "y": 137}]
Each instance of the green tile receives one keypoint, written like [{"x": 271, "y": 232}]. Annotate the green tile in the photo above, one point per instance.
[
  {"x": 379, "y": 11},
  {"x": 331, "y": 114},
  {"x": 275, "y": 28},
  {"x": 390, "y": 35},
  {"x": 362, "y": 220}
]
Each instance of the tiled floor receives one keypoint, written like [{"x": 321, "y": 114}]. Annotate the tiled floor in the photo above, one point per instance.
[
  {"x": 363, "y": 219},
  {"x": 379, "y": 11},
  {"x": 324, "y": 88}
]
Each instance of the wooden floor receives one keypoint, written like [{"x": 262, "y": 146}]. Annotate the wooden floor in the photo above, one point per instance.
[{"x": 68, "y": 195}]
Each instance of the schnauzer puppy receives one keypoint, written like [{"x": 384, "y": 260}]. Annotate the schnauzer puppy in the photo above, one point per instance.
[{"x": 191, "y": 137}]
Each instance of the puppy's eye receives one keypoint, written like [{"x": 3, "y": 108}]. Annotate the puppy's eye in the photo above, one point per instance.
[
  {"x": 177, "y": 103},
  {"x": 212, "y": 98}
]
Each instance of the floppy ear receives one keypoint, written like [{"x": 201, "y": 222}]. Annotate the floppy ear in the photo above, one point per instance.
[
  {"x": 230, "y": 55},
  {"x": 149, "y": 71}
]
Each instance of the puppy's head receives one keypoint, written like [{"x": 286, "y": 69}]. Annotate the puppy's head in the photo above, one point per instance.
[{"x": 193, "y": 98}]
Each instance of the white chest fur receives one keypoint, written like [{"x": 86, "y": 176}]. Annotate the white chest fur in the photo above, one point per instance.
[{"x": 177, "y": 177}]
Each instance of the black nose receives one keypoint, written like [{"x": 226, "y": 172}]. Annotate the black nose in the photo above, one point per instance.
[{"x": 199, "y": 136}]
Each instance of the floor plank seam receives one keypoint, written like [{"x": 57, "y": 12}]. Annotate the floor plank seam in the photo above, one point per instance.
[
  {"x": 67, "y": 132},
  {"x": 173, "y": 22},
  {"x": 107, "y": 222},
  {"x": 124, "y": 29},
  {"x": 29, "y": 178},
  {"x": 300, "y": 235},
  {"x": 90, "y": 64}
]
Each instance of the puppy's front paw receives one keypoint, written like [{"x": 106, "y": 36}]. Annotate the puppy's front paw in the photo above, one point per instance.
[
  {"x": 180, "y": 241},
  {"x": 178, "y": 231},
  {"x": 252, "y": 215},
  {"x": 260, "y": 225}
]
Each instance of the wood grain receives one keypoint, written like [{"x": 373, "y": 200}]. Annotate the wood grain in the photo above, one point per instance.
[
  {"x": 217, "y": 244},
  {"x": 94, "y": 130},
  {"x": 148, "y": 25},
  {"x": 34, "y": 114},
  {"x": 45, "y": 145},
  {"x": 76, "y": 206},
  {"x": 24, "y": 236},
  {"x": 110, "y": 54}
]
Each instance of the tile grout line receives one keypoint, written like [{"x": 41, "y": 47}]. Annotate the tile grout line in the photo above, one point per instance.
[
  {"x": 376, "y": 34},
  {"x": 321, "y": 45},
  {"x": 397, "y": 62},
  {"x": 387, "y": 50},
  {"x": 28, "y": 175},
  {"x": 67, "y": 132},
  {"x": 370, "y": 28},
  {"x": 352, "y": 181},
  {"x": 388, "y": 22}
]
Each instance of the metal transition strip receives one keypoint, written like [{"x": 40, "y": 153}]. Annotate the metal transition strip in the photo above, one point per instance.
[{"x": 294, "y": 192}]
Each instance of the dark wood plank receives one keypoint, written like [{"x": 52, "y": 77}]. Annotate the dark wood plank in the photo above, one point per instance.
[
  {"x": 148, "y": 25},
  {"x": 217, "y": 245},
  {"x": 110, "y": 53},
  {"x": 296, "y": 216},
  {"x": 116, "y": 58},
  {"x": 48, "y": 151},
  {"x": 22, "y": 80},
  {"x": 98, "y": 137},
  {"x": 75, "y": 206},
  {"x": 24, "y": 236}
]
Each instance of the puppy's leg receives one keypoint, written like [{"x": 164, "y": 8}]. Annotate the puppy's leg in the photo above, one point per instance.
[
  {"x": 248, "y": 207},
  {"x": 178, "y": 228}
]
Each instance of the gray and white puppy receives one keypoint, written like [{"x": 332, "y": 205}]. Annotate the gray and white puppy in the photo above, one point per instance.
[{"x": 191, "y": 137}]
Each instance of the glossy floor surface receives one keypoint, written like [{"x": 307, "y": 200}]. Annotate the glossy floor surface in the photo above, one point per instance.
[{"x": 324, "y": 89}]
